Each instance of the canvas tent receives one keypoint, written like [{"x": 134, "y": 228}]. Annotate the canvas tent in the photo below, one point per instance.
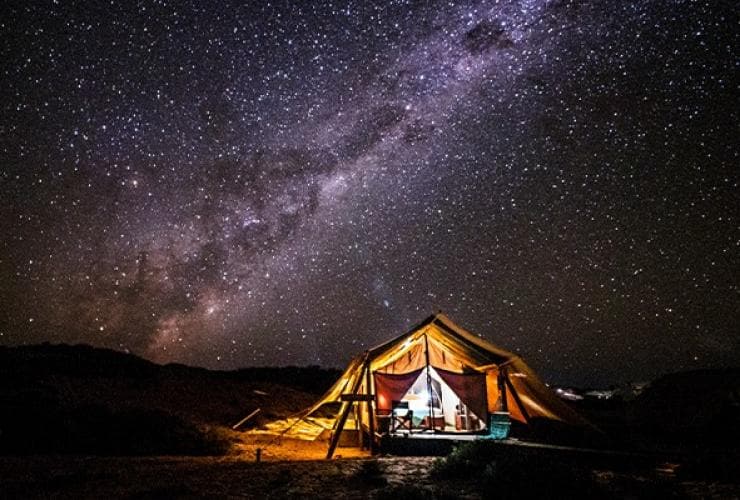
[{"x": 451, "y": 379}]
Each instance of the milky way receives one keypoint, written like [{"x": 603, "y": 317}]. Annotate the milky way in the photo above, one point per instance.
[{"x": 259, "y": 184}]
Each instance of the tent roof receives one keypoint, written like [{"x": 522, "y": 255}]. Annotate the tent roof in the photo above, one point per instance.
[{"x": 453, "y": 348}]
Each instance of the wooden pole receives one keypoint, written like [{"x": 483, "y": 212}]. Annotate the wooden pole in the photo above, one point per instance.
[
  {"x": 429, "y": 383},
  {"x": 501, "y": 380},
  {"x": 370, "y": 413},
  {"x": 356, "y": 412},
  {"x": 240, "y": 422},
  {"x": 346, "y": 407}
]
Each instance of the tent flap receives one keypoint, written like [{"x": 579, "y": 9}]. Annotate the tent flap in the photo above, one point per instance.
[
  {"x": 470, "y": 388},
  {"x": 392, "y": 387}
]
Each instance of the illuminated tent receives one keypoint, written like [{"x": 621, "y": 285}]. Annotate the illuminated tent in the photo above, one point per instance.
[{"x": 485, "y": 378}]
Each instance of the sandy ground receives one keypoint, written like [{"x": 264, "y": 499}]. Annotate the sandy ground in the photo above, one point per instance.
[
  {"x": 180, "y": 477},
  {"x": 289, "y": 469},
  {"x": 281, "y": 449}
]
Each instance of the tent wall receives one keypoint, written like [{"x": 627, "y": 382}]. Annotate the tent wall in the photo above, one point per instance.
[
  {"x": 540, "y": 400},
  {"x": 494, "y": 398}
]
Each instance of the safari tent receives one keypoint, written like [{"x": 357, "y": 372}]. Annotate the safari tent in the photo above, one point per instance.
[{"x": 436, "y": 379}]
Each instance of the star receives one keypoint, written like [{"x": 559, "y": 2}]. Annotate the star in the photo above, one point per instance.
[{"x": 203, "y": 183}]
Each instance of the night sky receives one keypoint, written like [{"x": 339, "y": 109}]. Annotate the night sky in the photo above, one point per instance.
[{"x": 228, "y": 184}]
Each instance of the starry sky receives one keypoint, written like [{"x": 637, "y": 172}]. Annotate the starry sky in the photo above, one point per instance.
[{"x": 229, "y": 184}]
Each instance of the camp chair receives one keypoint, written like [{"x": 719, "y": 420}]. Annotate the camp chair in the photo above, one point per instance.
[{"x": 401, "y": 416}]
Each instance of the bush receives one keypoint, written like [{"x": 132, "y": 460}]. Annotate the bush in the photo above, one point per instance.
[
  {"x": 704, "y": 465},
  {"x": 514, "y": 473},
  {"x": 403, "y": 491},
  {"x": 464, "y": 460},
  {"x": 370, "y": 474}
]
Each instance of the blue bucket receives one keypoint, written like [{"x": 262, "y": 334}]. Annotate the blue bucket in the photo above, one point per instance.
[{"x": 499, "y": 425}]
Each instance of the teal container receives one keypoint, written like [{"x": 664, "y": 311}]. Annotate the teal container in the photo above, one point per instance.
[{"x": 499, "y": 425}]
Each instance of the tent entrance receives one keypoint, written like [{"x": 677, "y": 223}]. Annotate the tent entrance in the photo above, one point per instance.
[{"x": 433, "y": 400}]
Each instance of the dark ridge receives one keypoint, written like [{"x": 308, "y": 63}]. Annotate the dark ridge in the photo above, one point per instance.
[
  {"x": 85, "y": 360},
  {"x": 692, "y": 409},
  {"x": 86, "y": 400},
  {"x": 77, "y": 359}
]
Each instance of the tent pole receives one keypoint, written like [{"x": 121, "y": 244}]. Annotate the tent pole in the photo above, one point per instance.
[
  {"x": 338, "y": 431},
  {"x": 347, "y": 406},
  {"x": 357, "y": 413},
  {"x": 370, "y": 415},
  {"x": 501, "y": 381},
  {"x": 429, "y": 382}
]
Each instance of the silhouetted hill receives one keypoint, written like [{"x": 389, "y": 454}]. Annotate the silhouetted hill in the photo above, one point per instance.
[
  {"x": 58, "y": 398},
  {"x": 684, "y": 411},
  {"x": 696, "y": 409},
  {"x": 75, "y": 360}
]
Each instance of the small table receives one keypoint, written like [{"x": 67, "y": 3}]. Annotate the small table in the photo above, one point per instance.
[{"x": 438, "y": 422}]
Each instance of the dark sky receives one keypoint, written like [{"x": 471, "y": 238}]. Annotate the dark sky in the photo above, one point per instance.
[{"x": 249, "y": 183}]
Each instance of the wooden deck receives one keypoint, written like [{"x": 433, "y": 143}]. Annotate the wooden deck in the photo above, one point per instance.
[{"x": 454, "y": 436}]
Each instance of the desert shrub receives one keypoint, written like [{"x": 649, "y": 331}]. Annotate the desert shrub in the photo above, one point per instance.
[
  {"x": 465, "y": 459},
  {"x": 705, "y": 465},
  {"x": 164, "y": 493},
  {"x": 404, "y": 491},
  {"x": 281, "y": 480},
  {"x": 514, "y": 473},
  {"x": 517, "y": 477},
  {"x": 370, "y": 473}
]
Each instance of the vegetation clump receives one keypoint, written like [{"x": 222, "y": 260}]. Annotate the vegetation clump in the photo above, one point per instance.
[
  {"x": 370, "y": 474},
  {"x": 513, "y": 473}
]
